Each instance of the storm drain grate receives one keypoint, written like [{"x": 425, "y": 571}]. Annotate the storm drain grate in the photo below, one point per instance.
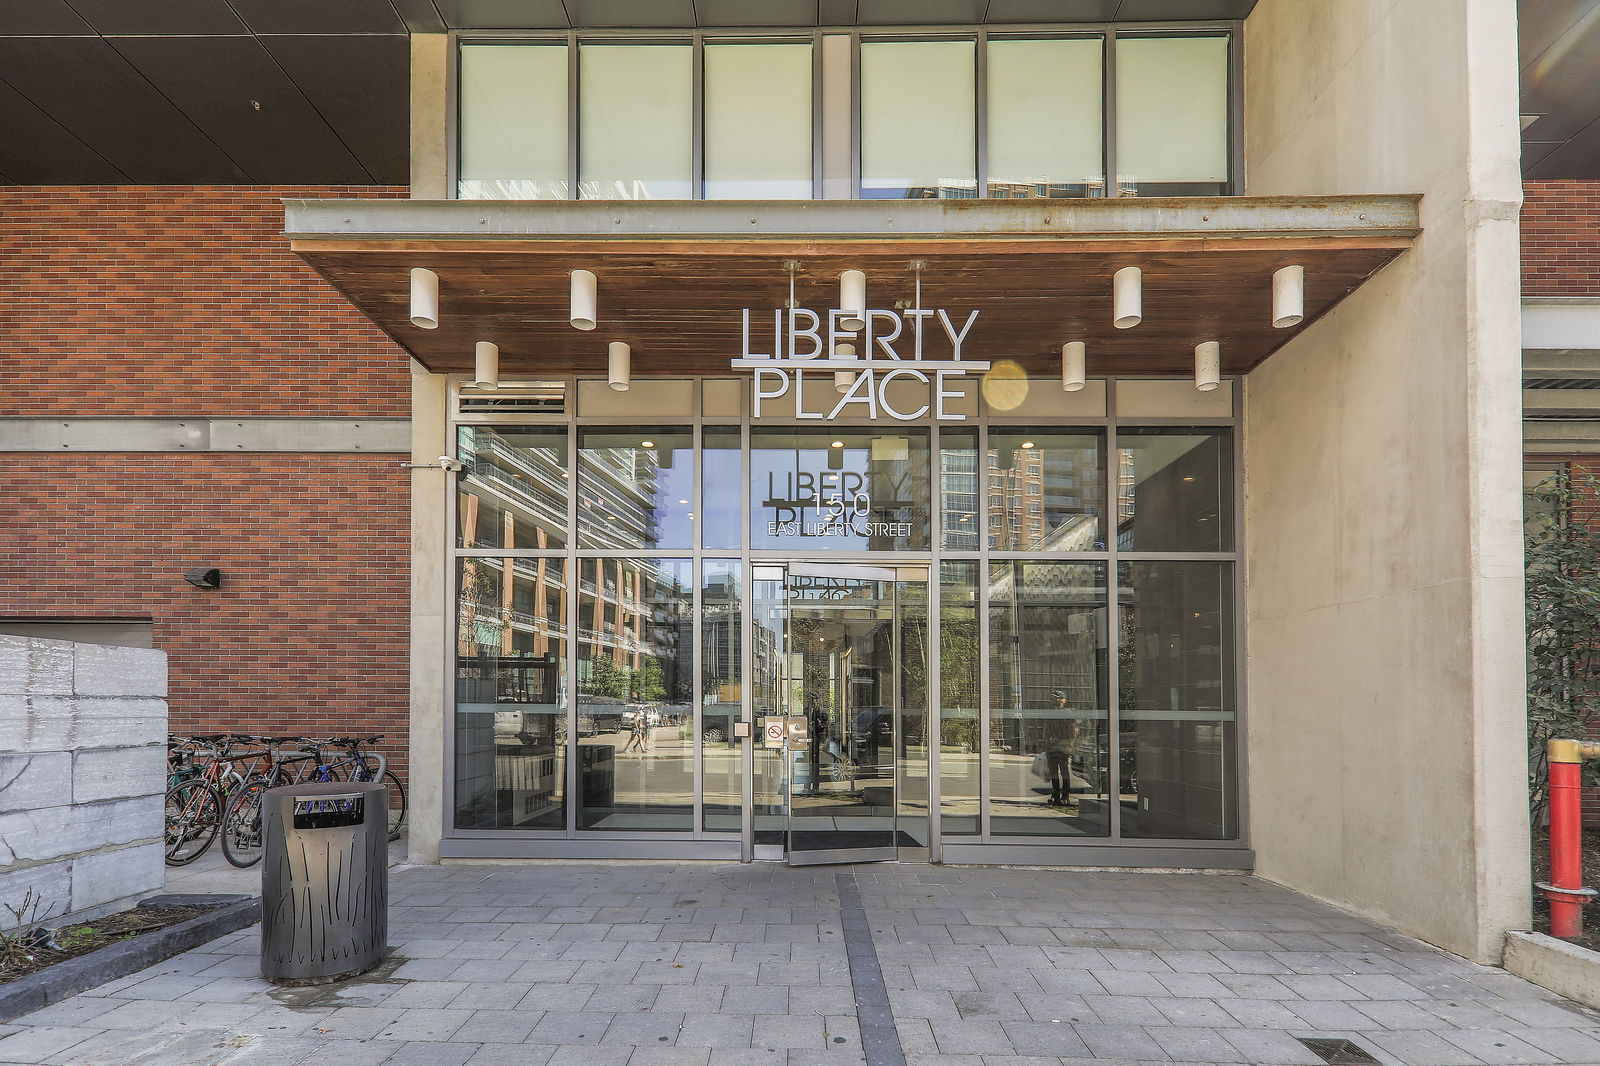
[{"x": 1337, "y": 1051}]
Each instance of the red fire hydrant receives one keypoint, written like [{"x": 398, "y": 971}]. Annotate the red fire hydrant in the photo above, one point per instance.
[{"x": 1565, "y": 889}]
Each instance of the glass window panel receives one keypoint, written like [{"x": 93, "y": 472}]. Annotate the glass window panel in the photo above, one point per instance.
[
  {"x": 635, "y": 487},
  {"x": 1046, "y": 489},
  {"x": 839, "y": 489},
  {"x": 757, "y": 120},
  {"x": 635, "y": 694},
  {"x": 634, "y": 121},
  {"x": 958, "y": 489},
  {"x": 513, "y": 122},
  {"x": 1177, "y": 765},
  {"x": 1044, "y": 118},
  {"x": 1172, "y": 116},
  {"x": 918, "y": 106},
  {"x": 1047, "y": 699},
  {"x": 911, "y": 757},
  {"x": 960, "y": 743},
  {"x": 1175, "y": 490},
  {"x": 722, "y": 681},
  {"x": 722, "y": 474},
  {"x": 511, "y": 706},
  {"x": 513, "y": 491}
]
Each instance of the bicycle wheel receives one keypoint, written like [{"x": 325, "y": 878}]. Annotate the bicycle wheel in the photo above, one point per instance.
[
  {"x": 397, "y": 804},
  {"x": 241, "y": 825},
  {"x": 193, "y": 811}
]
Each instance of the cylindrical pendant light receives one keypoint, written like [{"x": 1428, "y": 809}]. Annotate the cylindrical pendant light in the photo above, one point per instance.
[
  {"x": 1288, "y": 296},
  {"x": 585, "y": 300},
  {"x": 843, "y": 379},
  {"x": 1207, "y": 366},
  {"x": 424, "y": 298},
  {"x": 1127, "y": 297},
  {"x": 853, "y": 300},
  {"x": 487, "y": 358},
  {"x": 621, "y": 365},
  {"x": 1072, "y": 366}
]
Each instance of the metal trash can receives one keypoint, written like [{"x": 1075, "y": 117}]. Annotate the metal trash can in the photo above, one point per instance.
[{"x": 324, "y": 881}]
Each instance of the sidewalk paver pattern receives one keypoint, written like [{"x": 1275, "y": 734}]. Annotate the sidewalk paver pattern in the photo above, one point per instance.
[{"x": 660, "y": 964}]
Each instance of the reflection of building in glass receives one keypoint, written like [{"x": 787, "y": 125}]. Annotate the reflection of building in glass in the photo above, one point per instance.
[{"x": 958, "y": 494}]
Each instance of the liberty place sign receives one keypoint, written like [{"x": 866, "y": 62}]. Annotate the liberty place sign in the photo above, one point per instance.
[{"x": 894, "y": 346}]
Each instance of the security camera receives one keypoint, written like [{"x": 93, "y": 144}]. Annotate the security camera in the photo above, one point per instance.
[{"x": 449, "y": 464}]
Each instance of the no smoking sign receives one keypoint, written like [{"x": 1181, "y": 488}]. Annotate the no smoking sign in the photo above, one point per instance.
[{"x": 772, "y": 732}]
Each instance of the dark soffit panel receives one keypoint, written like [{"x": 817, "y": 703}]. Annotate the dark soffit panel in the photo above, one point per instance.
[
  {"x": 85, "y": 84},
  {"x": 1179, "y": 10},
  {"x": 629, "y": 13},
  {"x": 503, "y": 14},
  {"x": 918, "y": 12},
  {"x": 319, "y": 16},
  {"x": 1540, "y": 23},
  {"x": 41, "y": 16},
  {"x": 1052, "y": 10},
  {"x": 420, "y": 16},
  {"x": 744, "y": 13},
  {"x": 35, "y": 149},
  {"x": 1576, "y": 158},
  {"x": 256, "y": 114},
  {"x": 109, "y": 17},
  {"x": 360, "y": 85}
]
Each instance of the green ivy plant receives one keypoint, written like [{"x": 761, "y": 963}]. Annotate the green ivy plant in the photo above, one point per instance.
[{"x": 1563, "y": 614}]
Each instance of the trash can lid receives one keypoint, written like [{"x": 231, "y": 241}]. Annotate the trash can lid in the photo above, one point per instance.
[{"x": 326, "y": 789}]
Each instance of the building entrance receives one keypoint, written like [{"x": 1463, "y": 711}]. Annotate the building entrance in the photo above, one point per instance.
[{"x": 841, "y": 660}]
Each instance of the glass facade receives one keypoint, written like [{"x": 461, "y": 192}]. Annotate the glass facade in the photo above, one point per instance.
[
  {"x": 996, "y": 633},
  {"x": 942, "y": 114}
]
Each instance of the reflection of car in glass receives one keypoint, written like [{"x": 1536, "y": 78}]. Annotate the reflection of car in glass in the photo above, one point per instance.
[{"x": 599, "y": 714}]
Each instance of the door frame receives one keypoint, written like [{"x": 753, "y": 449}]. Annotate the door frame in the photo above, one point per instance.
[{"x": 895, "y": 574}]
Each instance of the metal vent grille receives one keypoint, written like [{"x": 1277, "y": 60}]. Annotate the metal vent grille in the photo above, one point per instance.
[
  {"x": 540, "y": 398},
  {"x": 1561, "y": 383},
  {"x": 1336, "y": 1051}
]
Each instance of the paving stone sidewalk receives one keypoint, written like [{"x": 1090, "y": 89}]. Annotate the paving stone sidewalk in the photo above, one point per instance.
[{"x": 628, "y": 964}]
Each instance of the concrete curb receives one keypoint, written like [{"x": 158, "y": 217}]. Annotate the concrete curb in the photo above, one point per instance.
[
  {"x": 126, "y": 956},
  {"x": 1561, "y": 967}
]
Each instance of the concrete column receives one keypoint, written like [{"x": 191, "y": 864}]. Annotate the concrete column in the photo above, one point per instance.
[
  {"x": 431, "y": 617},
  {"x": 430, "y": 119},
  {"x": 1382, "y": 474}
]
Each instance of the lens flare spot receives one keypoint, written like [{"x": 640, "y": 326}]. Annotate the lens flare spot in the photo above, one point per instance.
[{"x": 1005, "y": 386}]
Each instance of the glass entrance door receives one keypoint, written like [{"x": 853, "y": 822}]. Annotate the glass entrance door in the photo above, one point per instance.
[{"x": 843, "y": 653}]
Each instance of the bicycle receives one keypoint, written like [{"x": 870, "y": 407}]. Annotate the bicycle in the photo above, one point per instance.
[
  {"x": 242, "y": 836},
  {"x": 193, "y": 808},
  {"x": 241, "y": 822}
]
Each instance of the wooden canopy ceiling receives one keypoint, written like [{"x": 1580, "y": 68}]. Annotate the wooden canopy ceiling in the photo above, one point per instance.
[{"x": 677, "y": 298}]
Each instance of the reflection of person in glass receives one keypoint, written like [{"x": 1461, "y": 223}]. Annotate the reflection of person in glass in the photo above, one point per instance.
[
  {"x": 1058, "y": 755},
  {"x": 639, "y": 736},
  {"x": 817, "y": 726}
]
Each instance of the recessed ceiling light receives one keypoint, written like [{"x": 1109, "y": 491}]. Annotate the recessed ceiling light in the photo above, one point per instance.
[
  {"x": 838, "y": 444},
  {"x": 1188, "y": 479},
  {"x": 683, "y": 501},
  {"x": 1027, "y": 444},
  {"x": 647, "y": 444}
]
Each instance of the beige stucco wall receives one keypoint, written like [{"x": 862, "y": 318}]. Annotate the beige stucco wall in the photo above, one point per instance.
[{"x": 1382, "y": 479}]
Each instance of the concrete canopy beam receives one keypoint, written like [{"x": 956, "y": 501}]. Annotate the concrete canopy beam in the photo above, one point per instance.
[{"x": 1296, "y": 217}]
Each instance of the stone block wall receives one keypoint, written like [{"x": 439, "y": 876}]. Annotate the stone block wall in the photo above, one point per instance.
[{"x": 82, "y": 774}]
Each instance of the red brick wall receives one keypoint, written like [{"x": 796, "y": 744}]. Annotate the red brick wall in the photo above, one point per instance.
[
  {"x": 1561, "y": 238},
  {"x": 170, "y": 301},
  {"x": 174, "y": 302}
]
